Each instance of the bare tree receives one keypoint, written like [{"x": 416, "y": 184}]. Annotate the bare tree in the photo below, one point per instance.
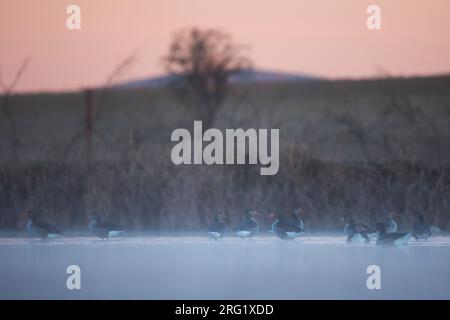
[
  {"x": 201, "y": 62},
  {"x": 7, "y": 90}
]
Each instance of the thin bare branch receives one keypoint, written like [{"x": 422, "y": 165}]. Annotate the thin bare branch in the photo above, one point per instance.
[
  {"x": 9, "y": 89},
  {"x": 120, "y": 69}
]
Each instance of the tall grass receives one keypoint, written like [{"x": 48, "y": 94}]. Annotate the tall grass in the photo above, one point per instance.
[{"x": 165, "y": 197}]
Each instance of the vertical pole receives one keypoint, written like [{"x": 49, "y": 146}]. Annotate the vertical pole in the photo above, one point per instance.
[{"x": 89, "y": 121}]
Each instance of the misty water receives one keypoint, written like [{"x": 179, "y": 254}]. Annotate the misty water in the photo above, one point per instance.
[{"x": 316, "y": 266}]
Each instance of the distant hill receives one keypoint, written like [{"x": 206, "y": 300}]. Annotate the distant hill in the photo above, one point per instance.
[{"x": 245, "y": 76}]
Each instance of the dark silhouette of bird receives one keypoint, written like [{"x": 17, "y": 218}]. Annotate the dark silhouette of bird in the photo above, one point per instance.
[
  {"x": 354, "y": 229},
  {"x": 248, "y": 227},
  {"x": 297, "y": 221},
  {"x": 285, "y": 229},
  {"x": 390, "y": 225},
  {"x": 392, "y": 238},
  {"x": 104, "y": 229},
  {"x": 40, "y": 229},
  {"x": 421, "y": 230},
  {"x": 217, "y": 227}
]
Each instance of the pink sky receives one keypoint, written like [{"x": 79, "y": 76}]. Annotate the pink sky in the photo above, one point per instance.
[{"x": 322, "y": 37}]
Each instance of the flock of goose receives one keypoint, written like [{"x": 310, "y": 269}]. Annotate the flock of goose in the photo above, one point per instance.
[
  {"x": 283, "y": 228},
  {"x": 101, "y": 229},
  {"x": 384, "y": 233}
]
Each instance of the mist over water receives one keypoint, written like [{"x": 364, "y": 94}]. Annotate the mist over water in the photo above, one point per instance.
[{"x": 193, "y": 267}]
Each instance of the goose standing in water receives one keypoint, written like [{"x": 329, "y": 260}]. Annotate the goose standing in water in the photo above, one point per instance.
[
  {"x": 216, "y": 228},
  {"x": 40, "y": 229},
  {"x": 356, "y": 230},
  {"x": 391, "y": 224},
  {"x": 248, "y": 227},
  {"x": 392, "y": 238},
  {"x": 297, "y": 221},
  {"x": 421, "y": 230},
  {"x": 104, "y": 229},
  {"x": 285, "y": 229}
]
